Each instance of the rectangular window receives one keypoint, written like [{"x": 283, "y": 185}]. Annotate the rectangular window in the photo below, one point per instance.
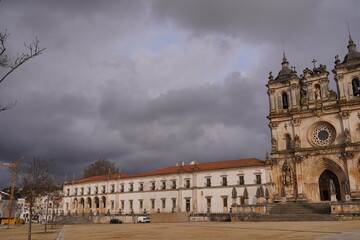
[
  {"x": 82, "y": 191},
  {"x": 163, "y": 201},
  {"x": 103, "y": 189},
  {"x": 152, "y": 203},
  {"x": 241, "y": 180},
  {"x": 187, "y": 184},
  {"x": 112, "y": 188},
  {"x": 258, "y": 179},
  {"x": 112, "y": 204},
  {"x": 141, "y": 187},
  {"x": 174, "y": 203},
  {"x": 131, "y": 188},
  {"x": 225, "y": 201},
  {"x": 163, "y": 185},
  {"x": 173, "y": 184},
  {"x": 96, "y": 190},
  {"x": 208, "y": 203},
  {"x": 224, "y": 181},
  {"x": 89, "y": 191},
  {"x": 122, "y": 187},
  {"x": 131, "y": 204},
  {"x": 76, "y": 191},
  {"x": 152, "y": 186},
  {"x": 208, "y": 182},
  {"x": 141, "y": 203},
  {"x": 122, "y": 204},
  {"x": 68, "y": 192}
]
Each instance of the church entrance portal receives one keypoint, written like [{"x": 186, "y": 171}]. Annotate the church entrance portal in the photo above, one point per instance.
[{"x": 324, "y": 184}]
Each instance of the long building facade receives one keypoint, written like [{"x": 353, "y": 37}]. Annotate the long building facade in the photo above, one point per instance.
[{"x": 195, "y": 188}]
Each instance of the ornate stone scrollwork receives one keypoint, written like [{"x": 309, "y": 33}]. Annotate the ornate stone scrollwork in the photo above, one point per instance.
[
  {"x": 273, "y": 144},
  {"x": 298, "y": 159},
  {"x": 273, "y": 125},
  {"x": 347, "y": 155},
  {"x": 296, "y": 121},
  {"x": 345, "y": 114}
]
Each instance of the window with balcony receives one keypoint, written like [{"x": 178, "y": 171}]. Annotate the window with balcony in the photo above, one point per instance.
[
  {"x": 173, "y": 184},
  {"x": 112, "y": 189},
  {"x": 163, "y": 185},
  {"x": 122, "y": 187},
  {"x": 152, "y": 186},
  {"x": 103, "y": 189},
  {"x": 131, "y": 188},
  {"x": 89, "y": 191},
  {"x": 82, "y": 191},
  {"x": 141, "y": 187},
  {"x": 96, "y": 190},
  {"x": 68, "y": 192}
]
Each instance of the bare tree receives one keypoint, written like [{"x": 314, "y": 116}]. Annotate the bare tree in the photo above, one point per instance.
[
  {"x": 100, "y": 167},
  {"x": 36, "y": 179},
  {"x": 9, "y": 65}
]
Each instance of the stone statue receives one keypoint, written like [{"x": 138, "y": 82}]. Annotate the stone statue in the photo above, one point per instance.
[
  {"x": 271, "y": 76},
  {"x": 283, "y": 194},
  {"x": 262, "y": 194},
  {"x": 347, "y": 188},
  {"x": 317, "y": 94},
  {"x": 297, "y": 141},
  {"x": 246, "y": 194},
  {"x": 267, "y": 195},
  {"x": 332, "y": 187},
  {"x": 257, "y": 192},
  {"x": 347, "y": 135},
  {"x": 287, "y": 178},
  {"x": 234, "y": 193}
]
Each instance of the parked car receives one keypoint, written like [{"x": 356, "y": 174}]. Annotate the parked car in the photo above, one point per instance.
[
  {"x": 115, "y": 221},
  {"x": 144, "y": 219}
]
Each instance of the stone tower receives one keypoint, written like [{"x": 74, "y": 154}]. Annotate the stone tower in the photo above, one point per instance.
[{"x": 315, "y": 132}]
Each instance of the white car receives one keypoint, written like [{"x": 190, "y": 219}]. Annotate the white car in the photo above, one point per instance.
[{"x": 143, "y": 219}]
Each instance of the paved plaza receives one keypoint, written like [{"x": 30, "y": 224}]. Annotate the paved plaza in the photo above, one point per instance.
[{"x": 349, "y": 230}]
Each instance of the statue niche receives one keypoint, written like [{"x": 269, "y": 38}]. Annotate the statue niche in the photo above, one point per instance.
[{"x": 287, "y": 176}]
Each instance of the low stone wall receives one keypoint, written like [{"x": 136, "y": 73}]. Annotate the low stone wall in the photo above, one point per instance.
[
  {"x": 169, "y": 217},
  {"x": 252, "y": 209},
  {"x": 345, "y": 208},
  {"x": 199, "y": 219},
  {"x": 106, "y": 219}
]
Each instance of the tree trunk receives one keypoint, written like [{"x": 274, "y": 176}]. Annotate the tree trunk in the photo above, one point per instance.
[
  {"x": 30, "y": 218},
  {"x": 46, "y": 214}
]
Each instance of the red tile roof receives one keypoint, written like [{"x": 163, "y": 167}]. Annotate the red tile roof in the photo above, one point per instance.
[{"x": 250, "y": 162}]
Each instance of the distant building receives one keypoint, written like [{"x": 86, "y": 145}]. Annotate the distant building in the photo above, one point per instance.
[{"x": 197, "y": 188}]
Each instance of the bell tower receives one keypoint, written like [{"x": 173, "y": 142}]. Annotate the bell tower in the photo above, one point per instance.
[{"x": 315, "y": 132}]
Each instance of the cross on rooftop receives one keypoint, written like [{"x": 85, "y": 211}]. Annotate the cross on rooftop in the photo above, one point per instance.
[{"x": 314, "y": 61}]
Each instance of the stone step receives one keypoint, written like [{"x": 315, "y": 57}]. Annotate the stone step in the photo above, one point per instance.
[
  {"x": 300, "y": 208},
  {"x": 292, "y": 217}
]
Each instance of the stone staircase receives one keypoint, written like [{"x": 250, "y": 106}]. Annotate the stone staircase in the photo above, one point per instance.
[{"x": 297, "y": 212}]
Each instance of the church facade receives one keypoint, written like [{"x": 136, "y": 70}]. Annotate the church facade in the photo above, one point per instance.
[{"x": 315, "y": 132}]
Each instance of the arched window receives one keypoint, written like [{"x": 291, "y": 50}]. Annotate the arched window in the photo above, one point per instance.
[
  {"x": 285, "y": 100},
  {"x": 317, "y": 92},
  {"x": 288, "y": 141},
  {"x": 356, "y": 87}
]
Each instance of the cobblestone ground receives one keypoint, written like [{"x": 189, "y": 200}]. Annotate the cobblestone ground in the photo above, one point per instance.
[{"x": 241, "y": 230}]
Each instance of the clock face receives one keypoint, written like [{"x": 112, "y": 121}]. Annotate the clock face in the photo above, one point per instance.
[{"x": 322, "y": 134}]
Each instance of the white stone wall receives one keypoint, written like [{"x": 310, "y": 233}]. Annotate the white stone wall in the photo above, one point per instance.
[{"x": 197, "y": 194}]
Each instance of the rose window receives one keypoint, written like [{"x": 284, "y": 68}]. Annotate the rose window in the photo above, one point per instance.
[{"x": 323, "y": 134}]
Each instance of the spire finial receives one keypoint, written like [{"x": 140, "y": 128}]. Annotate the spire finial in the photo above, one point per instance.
[
  {"x": 283, "y": 47},
  {"x": 350, "y": 39}
]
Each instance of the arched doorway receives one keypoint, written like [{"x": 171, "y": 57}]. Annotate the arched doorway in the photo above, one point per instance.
[{"x": 324, "y": 185}]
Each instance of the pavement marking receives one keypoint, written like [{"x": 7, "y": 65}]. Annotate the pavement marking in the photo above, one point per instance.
[
  {"x": 266, "y": 229},
  {"x": 342, "y": 236},
  {"x": 60, "y": 235}
]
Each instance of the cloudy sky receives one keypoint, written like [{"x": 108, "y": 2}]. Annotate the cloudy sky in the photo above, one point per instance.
[{"x": 147, "y": 84}]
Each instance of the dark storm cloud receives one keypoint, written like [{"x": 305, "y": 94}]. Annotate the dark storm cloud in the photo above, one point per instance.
[{"x": 150, "y": 83}]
